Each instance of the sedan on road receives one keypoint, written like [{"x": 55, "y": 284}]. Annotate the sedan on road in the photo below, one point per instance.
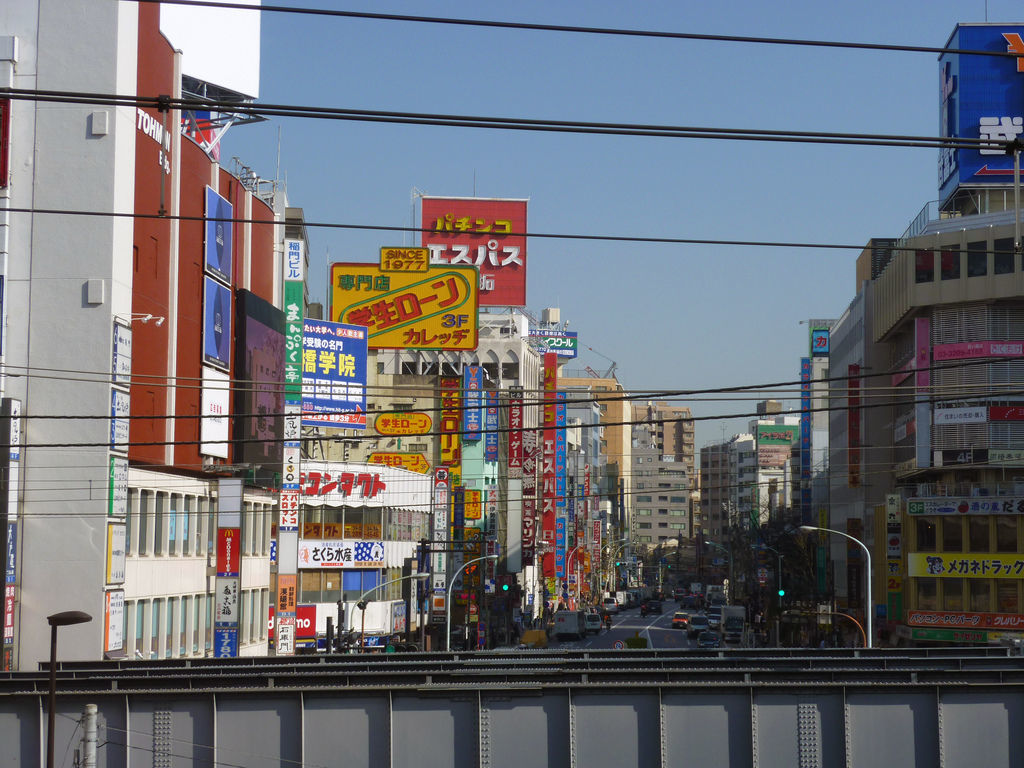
[
  {"x": 698, "y": 623},
  {"x": 708, "y": 640},
  {"x": 680, "y": 620}
]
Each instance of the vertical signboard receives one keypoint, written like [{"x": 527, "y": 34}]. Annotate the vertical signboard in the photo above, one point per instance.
[
  {"x": 438, "y": 553},
  {"x": 228, "y": 566},
  {"x": 288, "y": 528},
  {"x": 529, "y": 470},
  {"x": 113, "y": 622},
  {"x": 549, "y": 474},
  {"x": 805, "y": 441},
  {"x": 10, "y": 426},
  {"x": 561, "y": 452},
  {"x": 450, "y": 441},
  {"x": 491, "y": 426},
  {"x": 472, "y": 413}
]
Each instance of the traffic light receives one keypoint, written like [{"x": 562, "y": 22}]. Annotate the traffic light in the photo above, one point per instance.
[
  {"x": 782, "y": 593},
  {"x": 504, "y": 587}
]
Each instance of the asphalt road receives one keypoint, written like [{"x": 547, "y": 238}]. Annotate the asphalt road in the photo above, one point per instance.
[{"x": 656, "y": 628}]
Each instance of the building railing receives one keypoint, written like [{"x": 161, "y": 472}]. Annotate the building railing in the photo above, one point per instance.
[{"x": 972, "y": 490}]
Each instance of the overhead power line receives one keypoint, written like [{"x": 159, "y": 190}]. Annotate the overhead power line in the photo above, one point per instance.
[
  {"x": 576, "y": 29},
  {"x": 164, "y": 102}
]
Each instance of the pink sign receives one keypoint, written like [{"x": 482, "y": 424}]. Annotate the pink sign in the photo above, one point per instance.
[{"x": 968, "y": 349}]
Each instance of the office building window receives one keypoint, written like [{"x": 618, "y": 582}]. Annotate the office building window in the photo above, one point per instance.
[
  {"x": 952, "y": 594},
  {"x": 1003, "y": 256},
  {"x": 131, "y": 520},
  {"x": 140, "y": 625},
  {"x": 925, "y": 267},
  {"x": 183, "y": 628},
  {"x": 950, "y": 261},
  {"x": 154, "y": 633},
  {"x": 174, "y": 524},
  {"x": 977, "y": 259},
  {"x": 927, "y": 595},
  {"x": 197, "y": 604},
  {"x": 1007, "y": 599},
  {"x": 1006, "y": 533},
  {"x": 952, "y": 534},
  {"x": 925, "y": 535},
  {"x": 981, "y": 595},
  {"x": 978, "y": 535},
  {"x": 145, "y": 499},
  {"x": 160, "y": 523}
]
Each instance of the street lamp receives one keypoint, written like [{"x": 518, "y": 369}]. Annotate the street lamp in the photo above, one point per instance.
[
  {"x": 62, "y": 619},
  {"x": 568, "y": 557},
  {"x": 728, "y": 551},
  {"x": 362, "y": 602},
  {"x": 778, "y": 578},
  {"x": 867, "y": 554},
  {"x": 448, "y": 599}
]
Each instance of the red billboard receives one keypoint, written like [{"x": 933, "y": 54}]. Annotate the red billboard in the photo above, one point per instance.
[
  {"x": 487, "y": 233},
  {"x": 549, "y": 474}
]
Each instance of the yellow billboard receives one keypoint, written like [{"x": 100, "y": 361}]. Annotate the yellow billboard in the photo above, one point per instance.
[
  {"x": 402, "y": 423},
  {"x": 436, "y": 309},
  {"x": 414, "y": 462},
  {"x": 965, "y": 565}
]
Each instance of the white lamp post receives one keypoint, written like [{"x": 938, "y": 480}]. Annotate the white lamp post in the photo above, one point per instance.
[{"x": 867, "y": 554}]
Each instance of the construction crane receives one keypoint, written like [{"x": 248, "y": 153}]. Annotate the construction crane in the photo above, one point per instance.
[{"x": 607, "y": 374}]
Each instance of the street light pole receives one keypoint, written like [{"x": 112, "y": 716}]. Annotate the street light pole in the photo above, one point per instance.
[
  {"x": 63, "y": 619},
  {"x": 361, "y": 603},
  {"x": 728, "y": 552},
  {"x": 448, "y": 599},
  {"x": 867, "y": 554}
]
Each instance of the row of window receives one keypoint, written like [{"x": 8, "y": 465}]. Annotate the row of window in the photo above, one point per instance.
[
  {"x": 980, "y": 533},
  {"x": 670, "y": 499},
  {"x": 972, "y": 595},
  {"x": 173, "y": 524},
  {"x": 179, "y": 626},
  {"x": 649, "y": 512},
  {"x": 646, "y": 526},
  {"x": 976, "y": 261}
]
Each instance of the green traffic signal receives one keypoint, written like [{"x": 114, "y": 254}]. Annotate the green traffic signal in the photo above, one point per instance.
[
  {"x": 504, "y": 587},
  {"x": 782, "y": 593}
]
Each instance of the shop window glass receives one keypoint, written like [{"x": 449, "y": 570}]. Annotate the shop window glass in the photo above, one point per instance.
[
  {"x": 310, "y": 586},
  {"x": 1003, "y": 256},
  {"x": 952, "y": 534},
  {"x": 927, "y": 595},
  {"x": 977, "y": 259},
  {"x": 950, "y": 261},
  {"x": 1007, "y": 598},
  {"x": 952, "y": 594},
  {"x": 925, "y": 534},
  {"x": 925, "y": 269},
  {"x": 977, "y": 532},
  {"x": 355, "y": 583},
  {"x": 1006, "y": 533},
  {"x": 981, "y": 595}
]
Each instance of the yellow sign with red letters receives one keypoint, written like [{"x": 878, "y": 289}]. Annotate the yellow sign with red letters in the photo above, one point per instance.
[
  {"x": 402, "y": 423},
  {"x": 436, "y": 309},
  {"x": 414, "y": 462}
]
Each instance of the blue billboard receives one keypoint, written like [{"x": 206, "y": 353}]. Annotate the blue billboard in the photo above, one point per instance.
[
  {"x": 333, "y": 375},
  {"x": 216, "y": 324},
  {"x": 980, "y": 97},
  {"x": 472, "y": 393},
  {"x": 217, "y": 250}
]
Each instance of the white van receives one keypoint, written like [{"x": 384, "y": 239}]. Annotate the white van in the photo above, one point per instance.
[{"x": 570, "y": 623}]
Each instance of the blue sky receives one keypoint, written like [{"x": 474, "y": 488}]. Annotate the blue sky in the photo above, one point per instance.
[{"x": 671, "y": 316}]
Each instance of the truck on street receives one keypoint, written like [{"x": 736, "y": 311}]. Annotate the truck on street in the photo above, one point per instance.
[{"x": 734, "y": 620}]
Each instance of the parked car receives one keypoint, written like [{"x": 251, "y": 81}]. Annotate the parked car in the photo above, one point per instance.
[
  {"x": 680, "y": 620},
  {"x": 651, "y": 606},
  {"x": 610, "y": 605},
  {"x": 708, "y": 640},
  {"x": 594, "y": 622},
  {"x": 698, "y": 623}
]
